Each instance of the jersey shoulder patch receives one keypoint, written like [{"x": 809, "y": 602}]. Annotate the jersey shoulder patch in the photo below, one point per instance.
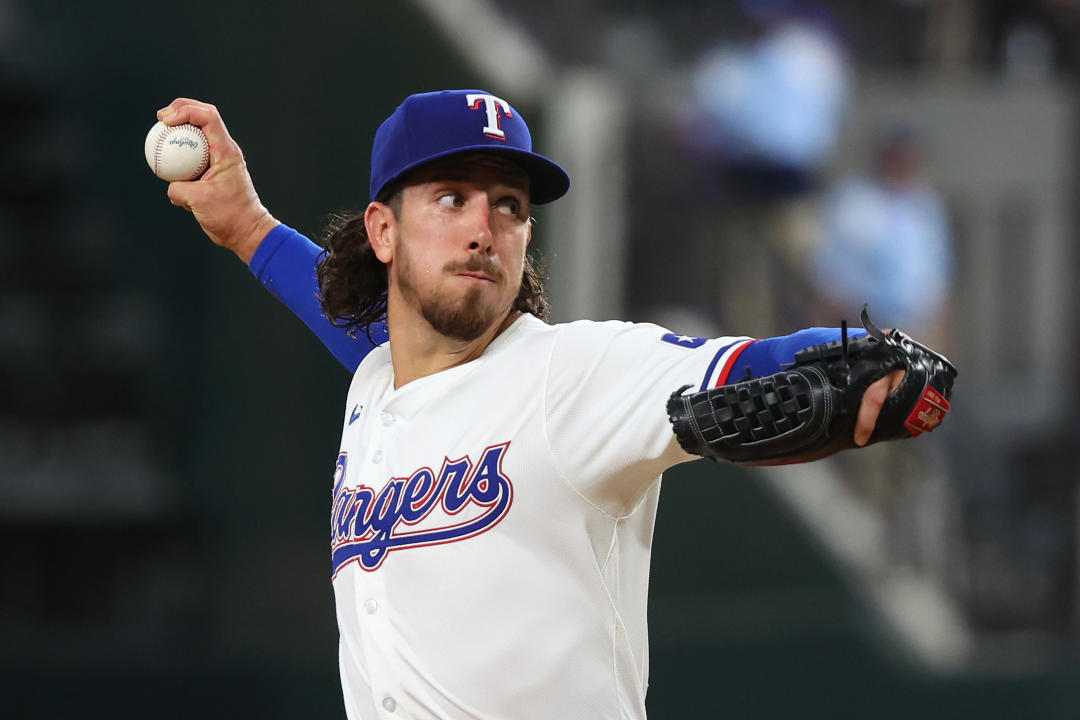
[{"x": 683, "y": 341}]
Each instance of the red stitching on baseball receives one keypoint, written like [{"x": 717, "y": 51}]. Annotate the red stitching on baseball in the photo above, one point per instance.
[
  {"x": 205, "y": 155},
  {"x": 157, "y": 147}
]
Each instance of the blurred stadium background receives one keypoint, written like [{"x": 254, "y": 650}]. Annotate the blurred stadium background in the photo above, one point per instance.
[{"x": 167, "y": 431}]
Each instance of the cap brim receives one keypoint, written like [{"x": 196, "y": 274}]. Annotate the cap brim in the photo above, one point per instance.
[{"x": 547, "y": 180}]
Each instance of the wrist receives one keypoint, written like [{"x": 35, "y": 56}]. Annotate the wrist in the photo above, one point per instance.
[{"x": 252, "y": 235}]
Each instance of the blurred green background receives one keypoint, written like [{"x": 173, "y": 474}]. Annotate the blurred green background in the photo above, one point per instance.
[{"x": 168, "y": 430}]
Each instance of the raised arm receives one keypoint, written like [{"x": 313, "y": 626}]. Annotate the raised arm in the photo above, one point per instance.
[
  {"x": 227, "y": 208},
  {"x": 223, "y": 199}
]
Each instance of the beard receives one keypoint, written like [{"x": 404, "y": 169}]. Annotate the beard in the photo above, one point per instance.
[{"x": 463, "y": 318}]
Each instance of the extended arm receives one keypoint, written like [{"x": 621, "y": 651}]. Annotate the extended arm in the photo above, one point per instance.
[
  {"x": 758, "y": 358},
  {"x": 850, "y": 391}
]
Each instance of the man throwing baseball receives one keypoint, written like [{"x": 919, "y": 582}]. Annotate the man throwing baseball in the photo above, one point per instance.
[{"x": 497, "y": 479}]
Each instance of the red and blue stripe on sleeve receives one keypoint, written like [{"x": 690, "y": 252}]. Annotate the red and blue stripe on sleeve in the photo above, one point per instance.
[{"x": 748, "y": 358}]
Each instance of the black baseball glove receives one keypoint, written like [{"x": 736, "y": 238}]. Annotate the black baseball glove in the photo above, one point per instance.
[{"x": 808, "y": 409}]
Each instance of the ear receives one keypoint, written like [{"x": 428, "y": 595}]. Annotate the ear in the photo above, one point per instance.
[{"x": 380, "y": 223}]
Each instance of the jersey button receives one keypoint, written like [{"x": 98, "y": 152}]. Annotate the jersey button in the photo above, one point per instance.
[
  {"x": 371, "y": 605},
  {"x": 389, "y": 704},
  {"x": 387, "y": 419},
  {"x": 377, "y": 457}
]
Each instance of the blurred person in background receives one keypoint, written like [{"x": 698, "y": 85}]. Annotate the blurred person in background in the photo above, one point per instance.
[
  {"x": 767, "y": 112},
  {"x": 764, "y": 117},
  {"x": 885, "y": 241}
]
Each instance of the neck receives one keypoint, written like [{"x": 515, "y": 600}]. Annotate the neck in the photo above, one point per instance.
[{"x": 418, "y": 350}]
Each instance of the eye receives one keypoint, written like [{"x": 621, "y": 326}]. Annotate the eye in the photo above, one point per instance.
[
  {"x": 451, "y": 200},
  {"x": 510, "y": 206}
]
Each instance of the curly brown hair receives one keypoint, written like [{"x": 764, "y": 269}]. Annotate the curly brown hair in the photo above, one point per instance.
[{"x": 353, "y": 281}]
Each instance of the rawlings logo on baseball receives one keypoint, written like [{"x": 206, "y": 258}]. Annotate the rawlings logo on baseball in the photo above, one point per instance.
[
  {"x": 184, "y": 142},
  {"x": 463, "y": 500}
]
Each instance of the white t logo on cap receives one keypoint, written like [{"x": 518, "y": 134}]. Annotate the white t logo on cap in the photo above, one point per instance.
[{"x": 492, "y": 105}]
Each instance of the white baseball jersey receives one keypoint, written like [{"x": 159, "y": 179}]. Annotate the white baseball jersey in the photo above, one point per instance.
[{"x": 492, "y": 523}]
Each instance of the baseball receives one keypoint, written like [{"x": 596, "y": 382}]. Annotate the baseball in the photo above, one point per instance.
[{"x": 177, "y": 153}]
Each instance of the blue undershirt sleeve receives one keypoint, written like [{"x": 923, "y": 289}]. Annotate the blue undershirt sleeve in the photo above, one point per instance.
[
  {"x": 766, "y": 356},
  {"x": 285, "y": 264}
]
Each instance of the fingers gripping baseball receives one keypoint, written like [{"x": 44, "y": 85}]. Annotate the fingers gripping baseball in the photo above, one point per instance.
[
  {"x": 223, "y": 200},
  {"x": 182, "y": 110}
]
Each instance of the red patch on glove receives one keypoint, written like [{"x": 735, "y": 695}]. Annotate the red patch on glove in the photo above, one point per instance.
[{"x": 928, "y": 412}]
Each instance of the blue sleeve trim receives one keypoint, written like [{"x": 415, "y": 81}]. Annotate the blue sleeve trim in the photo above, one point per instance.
[
  {"x": 285, "y": 264},
  {"x": 268, "y": 247},
  {"x": 768, "y": 356}
]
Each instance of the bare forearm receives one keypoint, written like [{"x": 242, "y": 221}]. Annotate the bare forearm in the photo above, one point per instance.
[{"x": 246, "y": 238}]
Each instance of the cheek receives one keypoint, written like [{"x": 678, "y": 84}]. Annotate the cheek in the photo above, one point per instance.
[
  {"x": 416, "y": 252},
  {"x": 515, "y": 244},
  {"x": 515, "y": 271}
]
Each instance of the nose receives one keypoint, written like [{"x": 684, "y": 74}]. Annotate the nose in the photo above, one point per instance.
[{"x": 482, "y": 239}]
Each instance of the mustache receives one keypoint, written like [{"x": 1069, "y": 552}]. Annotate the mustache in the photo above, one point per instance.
[{"x": 475, "y": 264}]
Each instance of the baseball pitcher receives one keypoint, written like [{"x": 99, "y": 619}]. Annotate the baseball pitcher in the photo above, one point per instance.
[{"x": 493, "y": 498}]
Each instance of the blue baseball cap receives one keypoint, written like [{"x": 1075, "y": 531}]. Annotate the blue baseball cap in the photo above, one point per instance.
[{"x": 433, "y": 125}]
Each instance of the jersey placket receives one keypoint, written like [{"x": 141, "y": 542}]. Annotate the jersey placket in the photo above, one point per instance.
[{"x": 374, "y": 611}]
